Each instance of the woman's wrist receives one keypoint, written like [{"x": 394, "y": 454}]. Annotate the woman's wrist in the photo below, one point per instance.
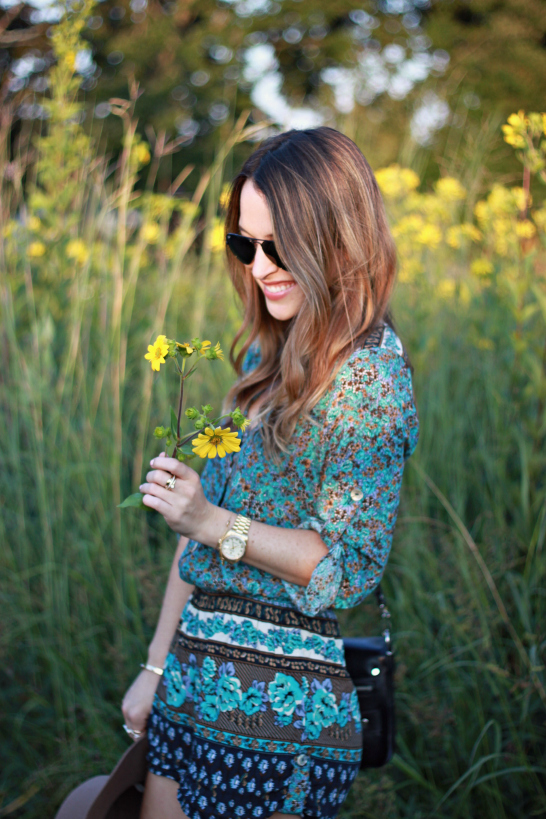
[{"x": 214, "y": 526}]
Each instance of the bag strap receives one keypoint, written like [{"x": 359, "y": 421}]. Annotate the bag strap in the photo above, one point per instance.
[{"x": 385, "y": 615}]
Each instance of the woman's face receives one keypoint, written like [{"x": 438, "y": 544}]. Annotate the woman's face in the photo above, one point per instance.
[{"x": 283, "y": 295}]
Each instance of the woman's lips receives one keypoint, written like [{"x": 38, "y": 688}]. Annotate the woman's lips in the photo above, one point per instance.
[{"x": 278, "y": 290}]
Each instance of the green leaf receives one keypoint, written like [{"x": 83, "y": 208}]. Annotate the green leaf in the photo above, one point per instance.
[
  {"x": 186, "y": 449},
  {"x": 174, "y": 422},
  {"x": 133, "y": 501}
]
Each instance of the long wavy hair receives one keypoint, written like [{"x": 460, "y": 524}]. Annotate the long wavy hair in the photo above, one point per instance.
[{"x": 331, "y": 230}]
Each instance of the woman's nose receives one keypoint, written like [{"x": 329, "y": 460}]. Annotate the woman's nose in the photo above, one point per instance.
[{"x": 262, "y": 265}]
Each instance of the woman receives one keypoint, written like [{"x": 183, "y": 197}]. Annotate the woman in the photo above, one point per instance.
[{"x": 255, "y": 714}]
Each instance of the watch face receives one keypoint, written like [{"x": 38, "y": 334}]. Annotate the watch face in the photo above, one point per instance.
[{"x": 233, "y": 547}]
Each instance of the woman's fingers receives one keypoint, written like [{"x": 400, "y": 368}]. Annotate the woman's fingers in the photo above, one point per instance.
[{"x": 175, "y": 467}]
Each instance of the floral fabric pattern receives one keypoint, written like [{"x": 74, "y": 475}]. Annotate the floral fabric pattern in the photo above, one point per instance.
[
  {"x": 341, "y": 478},
  {"x": 292, "y": 715}
]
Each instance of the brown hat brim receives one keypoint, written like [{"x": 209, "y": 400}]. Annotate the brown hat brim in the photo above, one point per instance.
[{"x": 110, "y": 797}]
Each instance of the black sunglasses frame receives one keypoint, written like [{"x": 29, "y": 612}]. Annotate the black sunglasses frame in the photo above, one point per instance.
[{"x": 244, "y": 249}]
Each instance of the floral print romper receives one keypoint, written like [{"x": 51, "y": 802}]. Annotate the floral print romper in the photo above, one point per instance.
[{"x": 256, "y": 712}]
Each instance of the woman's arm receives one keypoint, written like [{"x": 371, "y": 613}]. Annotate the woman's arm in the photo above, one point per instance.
[
  {"x": 137, "y": 702},
  {"x": 291, "y": 554}
]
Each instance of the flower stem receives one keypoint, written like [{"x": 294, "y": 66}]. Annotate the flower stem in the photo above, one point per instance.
[{"x": 179, "y": 410}]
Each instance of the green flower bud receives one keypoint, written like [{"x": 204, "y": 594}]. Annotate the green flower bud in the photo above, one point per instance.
[
  {"x": 192, "y": 413},
  {"x": 206, "y": 409},
  {"x": 200, "y": 424},
  {"x": 160, "y": 432}
]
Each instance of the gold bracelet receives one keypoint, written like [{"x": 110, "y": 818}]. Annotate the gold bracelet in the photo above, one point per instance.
[{"x": 154, "y": 668}]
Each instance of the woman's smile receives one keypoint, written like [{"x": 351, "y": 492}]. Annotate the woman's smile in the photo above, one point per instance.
[{"x": 278, "y": 290}]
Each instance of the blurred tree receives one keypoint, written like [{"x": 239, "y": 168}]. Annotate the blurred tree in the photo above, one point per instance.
[{"x": 372, "y": 67}]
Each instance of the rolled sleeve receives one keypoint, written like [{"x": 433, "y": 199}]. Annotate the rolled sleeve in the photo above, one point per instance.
[{"x": 358, "y": 495}]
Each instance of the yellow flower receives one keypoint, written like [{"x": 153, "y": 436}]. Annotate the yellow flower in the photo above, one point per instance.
[
  {"x": 188, "y": 349},
  {"x": 481, "y": 267},
  {"x": 217, "y": 349},
  {"x": 430, "y": 236},
  {"x": 150, "y": 233},
  {"x": 540, "y": 218},
  {"x": 70, "y": 60},
  {"x": 217, "y": 237},
  {"x": 522, "y": 198},
  {"x": 525, "y": 229},
  {"x": 157, "y": 352},
  {"x": 471, "y": 231},
  {"x": 450, "y": 189},
  {"x": 395, "y": 181},
  {"x": 454, "y": 236},
  {"x": 446, "y": 289},
  {"x": 36, "y": 249},
  {"x": 224, "y": 197},
  {"x": 142, "y": 153},
  {"x": 215, "y": 442},
  {"x": 204, "y": 347},
  {"x": 33, "y": 223},
  {"x": 77, "y": 250},
  {"x": 244, "y": 425}
]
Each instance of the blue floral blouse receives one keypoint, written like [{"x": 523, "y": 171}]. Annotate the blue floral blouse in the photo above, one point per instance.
[{"x": 342, "y": 477}]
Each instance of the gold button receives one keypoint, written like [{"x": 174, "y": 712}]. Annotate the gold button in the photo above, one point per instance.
[{"x": 357, "y": 494}]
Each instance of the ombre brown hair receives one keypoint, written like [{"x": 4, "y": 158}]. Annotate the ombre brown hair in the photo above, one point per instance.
[{"x": 331, "y": 231}]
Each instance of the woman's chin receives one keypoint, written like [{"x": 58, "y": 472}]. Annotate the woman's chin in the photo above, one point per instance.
[{"x": 284, "y": 310}]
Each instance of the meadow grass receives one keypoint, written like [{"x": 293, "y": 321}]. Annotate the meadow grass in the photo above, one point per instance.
[{"x": 81, "y": 582}]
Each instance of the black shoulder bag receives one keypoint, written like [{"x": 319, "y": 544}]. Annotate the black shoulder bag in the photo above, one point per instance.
[{"x": 370, "y": 663}]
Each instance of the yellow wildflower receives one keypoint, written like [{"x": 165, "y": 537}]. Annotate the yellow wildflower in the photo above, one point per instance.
[
  {"x": 188, "y": 349},
  {"x": 525, "y": 229},
  {"x": 450, "y": 189},
  {"x": 224, "y": 197},
  {"x": 217, "y": 236},
  {"x": 157, "y": 352},
  {"x": 218, "y": 351},
  {"x": 481, "y": 267},
  {"x": 454, "y": 236},
  {"x": 483, "y": 213},
  {"x": 77, "y": 250},
  {"x": 33, "y": 223},
  {"x": 430, "y": 236},
  {"x": 70, "y": 60},
  {"x": 471, "y": 231},
  {"x": 142, "y": 153},
  {"x": 446, "y": 289},
  {"x": 215, "y": 442},
  {"x": 36, "y": 249},
  {"x": 204, "y": 347},
  {"x": 395, "y": 181},
  {"x": 501, "y": 200},
  {"x": 151, "y": 233},
  {"x": 522, "y": 198}
]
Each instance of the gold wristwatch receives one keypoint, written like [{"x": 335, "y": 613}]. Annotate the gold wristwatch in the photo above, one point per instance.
[{"x": 232, "y": 546}]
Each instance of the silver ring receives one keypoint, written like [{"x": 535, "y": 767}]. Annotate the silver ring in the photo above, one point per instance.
[
  {"x": 171, "y": 483},
  {"x": 131, "y": 731}
]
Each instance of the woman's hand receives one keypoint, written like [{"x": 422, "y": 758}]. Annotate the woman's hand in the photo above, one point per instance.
[
  {"x": 185, "y": 508},
  {"x": 137, "y": 702}
]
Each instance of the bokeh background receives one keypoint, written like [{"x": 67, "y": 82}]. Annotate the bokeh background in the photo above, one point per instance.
[{"x": 121, "y": 123}]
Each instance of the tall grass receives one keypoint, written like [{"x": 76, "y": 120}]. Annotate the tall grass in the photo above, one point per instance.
[{"x": 90, "y": 271}]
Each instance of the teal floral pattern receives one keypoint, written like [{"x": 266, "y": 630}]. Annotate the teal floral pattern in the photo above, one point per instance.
[{"x": 342, "y": 478}]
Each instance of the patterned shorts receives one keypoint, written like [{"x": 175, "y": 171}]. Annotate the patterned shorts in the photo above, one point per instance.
[{"x": 255, "y": 712}]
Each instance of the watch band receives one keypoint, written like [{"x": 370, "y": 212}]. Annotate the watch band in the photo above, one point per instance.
[{"x": 241, "y": 526}]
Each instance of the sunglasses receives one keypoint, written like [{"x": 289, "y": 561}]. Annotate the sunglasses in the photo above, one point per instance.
[{"x": 244, "y": 249}]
